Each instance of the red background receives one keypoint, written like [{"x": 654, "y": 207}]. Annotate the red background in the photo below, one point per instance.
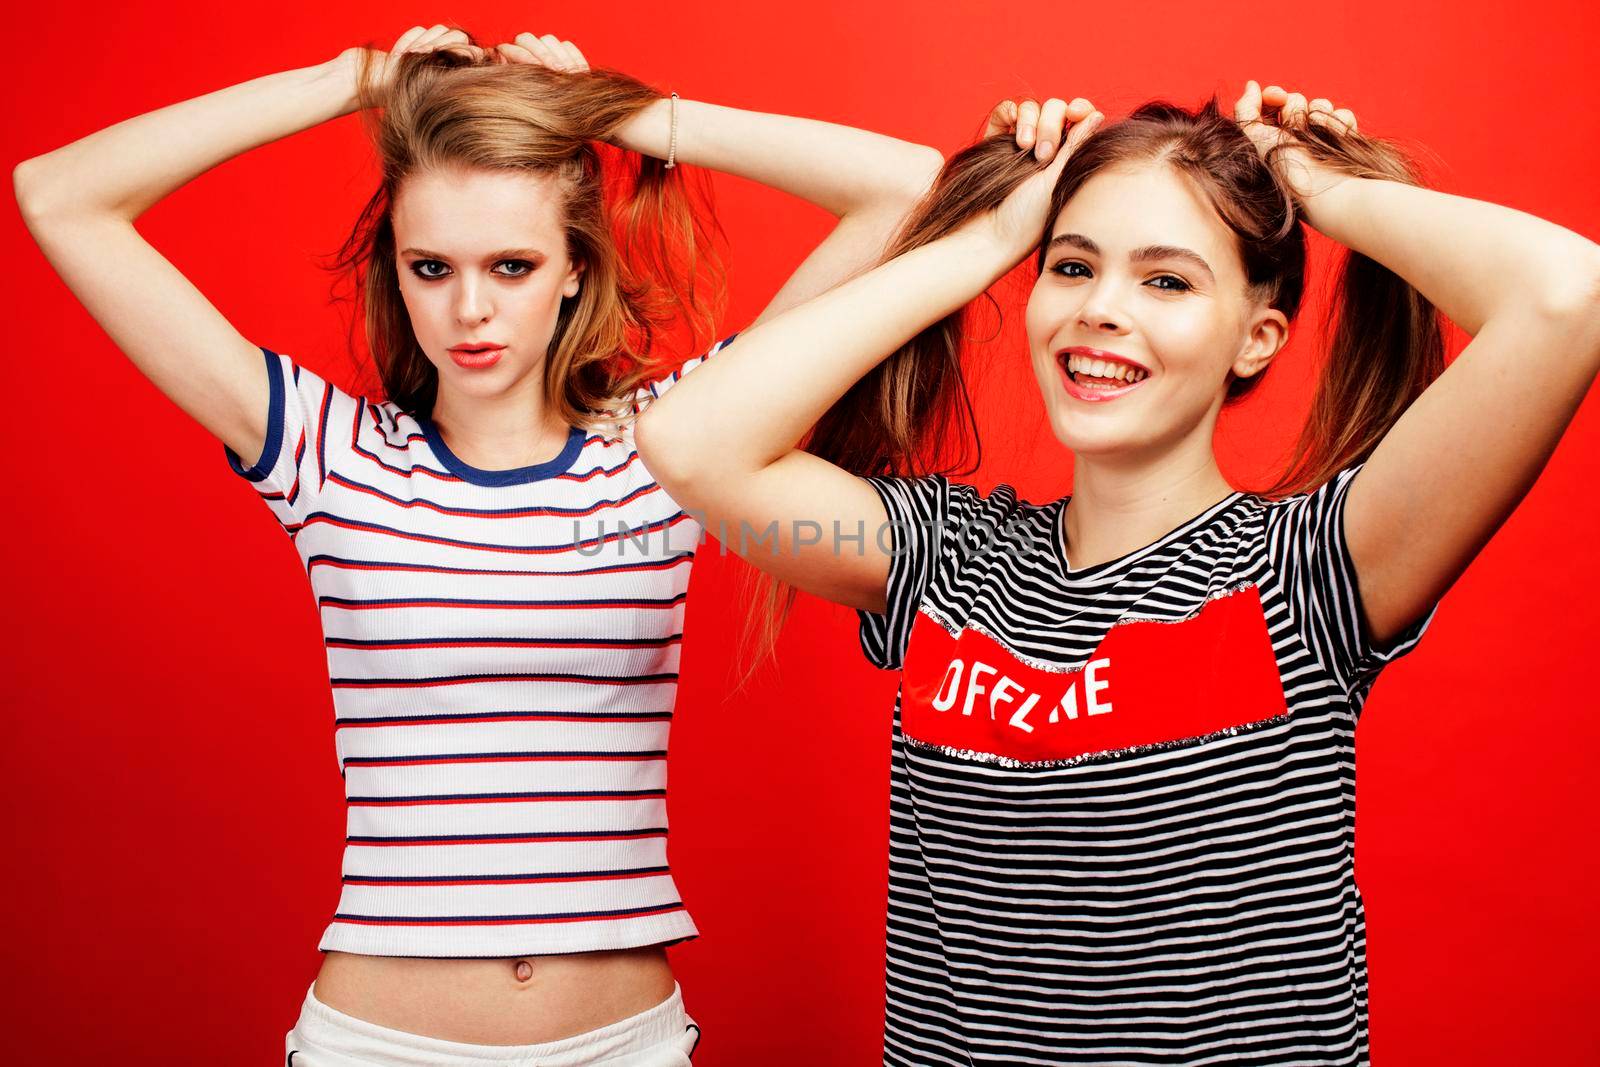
[{"x": 175, "y": 804}]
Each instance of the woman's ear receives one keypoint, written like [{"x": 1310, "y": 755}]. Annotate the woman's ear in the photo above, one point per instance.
[
  {"x": 572, "y": 283},
  {"x": 1269, "y": 332}
]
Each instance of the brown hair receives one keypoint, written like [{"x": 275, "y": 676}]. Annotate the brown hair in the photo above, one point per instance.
[
  {"x": 1386, "y": 343},
  {"x": 645, "y": 240},
  {"x": 912, "y": 413}
]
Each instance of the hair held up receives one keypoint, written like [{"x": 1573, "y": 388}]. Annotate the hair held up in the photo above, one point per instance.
[
  {"x": 645, "y": 239},
  {"x": 1385, "y": 342},
  {"x": 912, "y": 414}
]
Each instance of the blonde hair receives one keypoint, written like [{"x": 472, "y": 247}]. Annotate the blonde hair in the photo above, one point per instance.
[{"x": 644, "y": 238}]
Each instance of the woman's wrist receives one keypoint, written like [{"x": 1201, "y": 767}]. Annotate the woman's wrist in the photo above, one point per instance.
[
  {"x": 1310, "y": 182},
  {"x": 342, "y": 75},
  {"x": 985, "y": 245},
  {"x": 648, "y": 131}
]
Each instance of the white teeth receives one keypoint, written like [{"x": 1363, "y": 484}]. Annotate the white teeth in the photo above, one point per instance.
[{"x": 1099, "y": 368}]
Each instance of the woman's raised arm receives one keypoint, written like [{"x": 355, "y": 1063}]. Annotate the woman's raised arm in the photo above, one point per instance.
[
  {"x": 724, "y": 441},
  {"x": 867, "y": 180},
  {"x": 80, "y": 202},
  {"x": 1467, "y": 451}
]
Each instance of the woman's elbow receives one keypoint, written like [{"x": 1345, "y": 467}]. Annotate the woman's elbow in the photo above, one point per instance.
[
  {"x": 666, "y": 453},
  {"x": 921, "y": 171},
  {"x": 28, "y": 186},
  {"x": 1570, "y": 301},
  {"x": 45, "y": 189}
]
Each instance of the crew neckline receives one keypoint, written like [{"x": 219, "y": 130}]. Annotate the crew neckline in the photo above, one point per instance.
[
  {"x": 562, "y": 462},
  {"x": 1099, "y": 571}
]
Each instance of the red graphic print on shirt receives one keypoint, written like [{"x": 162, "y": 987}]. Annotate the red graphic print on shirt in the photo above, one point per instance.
[{"x": 1147, "y": 683}]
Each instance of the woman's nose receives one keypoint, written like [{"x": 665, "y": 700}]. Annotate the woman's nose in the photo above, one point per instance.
[
  {"x": 1101, "y": 310},
  {"x": 472, "y": 304}
]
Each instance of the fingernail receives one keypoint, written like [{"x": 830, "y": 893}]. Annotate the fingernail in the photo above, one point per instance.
[{"x": 1042, "y": 149}]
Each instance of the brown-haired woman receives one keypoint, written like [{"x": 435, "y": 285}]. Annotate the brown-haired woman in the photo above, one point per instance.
[
  {"x": 500, "y": 580},
  {"x": 1122, "y": 784}
]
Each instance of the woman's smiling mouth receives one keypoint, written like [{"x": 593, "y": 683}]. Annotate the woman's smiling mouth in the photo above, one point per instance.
[{"x": 1094, "y": 375}]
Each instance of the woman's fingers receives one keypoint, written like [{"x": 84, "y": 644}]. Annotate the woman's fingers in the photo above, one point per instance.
[
  {"x": 407, "y": 39},
  {"x": 1039, "y": 127},
  {"x": 547, "y": 50},
  {"x": 1002, "y": 119},
  {"x": 533, "y": 43},
  {"x": 1265, "y": 113},
  {"x": 1334, "y": 120},
  {"x": 1027, "y": 123},
  {"x": 1294, "y": 111},
  {"x": 1052, "y": 127},
  {"x": 552, "y": 44},
  {"x": 457, "y": 39},
  {"x": 426, "y": 41},
  {"x": 575, "y": 58},
  {"x": 1082, "y": 129},
  {"x": 570, "y": 59},
  {"x": 1248, "y": 107},
  {"x": 1076, "y": 134}
]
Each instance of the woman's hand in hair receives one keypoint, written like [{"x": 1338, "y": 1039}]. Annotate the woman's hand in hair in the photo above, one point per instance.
[
  {"x": 375, "y": 69},
  {"x": 1020, "y": 219},
  {"x": 1272, "y": 117},
  {"x": 1035, "y": 126},
  {"x": 547, "y": 51}
]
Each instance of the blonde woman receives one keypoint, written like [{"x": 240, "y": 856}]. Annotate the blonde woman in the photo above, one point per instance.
[{"x": 502, "y": 643}]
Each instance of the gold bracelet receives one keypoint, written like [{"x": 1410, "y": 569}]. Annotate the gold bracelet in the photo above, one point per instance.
[{"x": 672, "y": 139}]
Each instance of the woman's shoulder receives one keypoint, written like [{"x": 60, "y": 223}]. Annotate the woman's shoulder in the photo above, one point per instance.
[
  {"x": 966, "y": 514},
  {"x": 1001, "y": 500}
]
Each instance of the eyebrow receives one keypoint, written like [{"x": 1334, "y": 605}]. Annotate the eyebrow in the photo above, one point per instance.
[
  {"x": 504, "y": 253},
  {"x": 1138, "y": 255}
]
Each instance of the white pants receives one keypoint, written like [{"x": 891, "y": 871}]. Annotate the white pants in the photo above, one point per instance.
[{"x": 662, "y": 1036}]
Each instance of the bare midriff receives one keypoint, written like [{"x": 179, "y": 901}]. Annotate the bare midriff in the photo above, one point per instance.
[{"x": 522, "y": 1000}]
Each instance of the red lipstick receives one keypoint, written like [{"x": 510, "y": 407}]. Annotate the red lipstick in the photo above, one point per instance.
[{"x": 476, "y": 355}]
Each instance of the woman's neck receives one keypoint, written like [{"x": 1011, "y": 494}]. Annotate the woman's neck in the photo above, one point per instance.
[
  {"x": 1119, "y": 507},
  {"x": 515, "y": 429}
]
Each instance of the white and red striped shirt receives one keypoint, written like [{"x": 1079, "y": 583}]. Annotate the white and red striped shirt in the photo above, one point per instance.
[{"x": 503, "y": 651}]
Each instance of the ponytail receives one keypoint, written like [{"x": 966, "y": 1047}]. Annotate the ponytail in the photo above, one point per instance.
[
  {"x": 912, "y": 413},
  {"x": 1386, "y": 341}
]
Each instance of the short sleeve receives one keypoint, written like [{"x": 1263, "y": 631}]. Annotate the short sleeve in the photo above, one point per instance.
[
  {"x": 1308, "y": 549},
  {"x": 923, "y": 523},
  {"x": 659, "y": 388},
  {"x": 302, "y": 411}
]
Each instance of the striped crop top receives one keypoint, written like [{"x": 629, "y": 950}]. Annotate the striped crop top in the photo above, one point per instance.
[{"x": 503, "y": 652}]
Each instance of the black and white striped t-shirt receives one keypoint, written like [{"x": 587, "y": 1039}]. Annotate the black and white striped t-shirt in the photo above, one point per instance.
[{"x": 1122, "y": 796}]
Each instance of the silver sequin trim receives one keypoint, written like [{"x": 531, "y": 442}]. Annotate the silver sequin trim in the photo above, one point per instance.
[
  {"x": 972, "y": 756},
  {"x": 1225, "y": 591}
]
